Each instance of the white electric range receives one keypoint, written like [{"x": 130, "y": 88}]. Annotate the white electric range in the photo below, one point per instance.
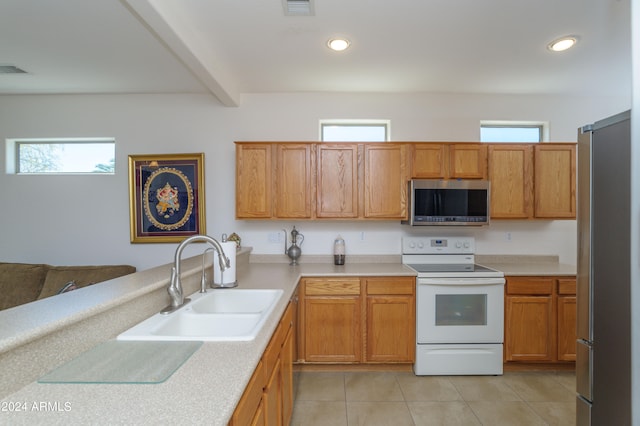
[{"x": 459, "y": 308}]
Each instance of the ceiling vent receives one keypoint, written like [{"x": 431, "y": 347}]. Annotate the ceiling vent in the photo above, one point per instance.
[
  {"x": 298, "y": 7},
  {"x": 10, "y": 69}
]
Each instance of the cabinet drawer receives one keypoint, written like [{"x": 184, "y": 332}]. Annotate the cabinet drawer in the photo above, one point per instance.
[
  {"x": 331, "y": 286},
  {"x": 530, "y": 285},
  {"x": 566, "y": 286},
  {"x": 390, "y": 285}
]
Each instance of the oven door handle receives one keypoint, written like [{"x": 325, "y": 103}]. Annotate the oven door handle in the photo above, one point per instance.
[{"x": 461, "y": 281}]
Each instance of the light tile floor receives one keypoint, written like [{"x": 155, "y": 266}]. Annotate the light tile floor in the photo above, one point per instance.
[{"x": 401, "y": 398}]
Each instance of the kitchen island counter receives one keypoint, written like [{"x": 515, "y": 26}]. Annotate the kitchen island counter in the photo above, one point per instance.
[{"x": 205, "y": 390}]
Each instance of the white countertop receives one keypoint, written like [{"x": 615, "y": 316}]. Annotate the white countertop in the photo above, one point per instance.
[
  {"x": 533, "y": 269},
  {"x": 205, "y": 390},
  {"x": 517, "y": 265}
]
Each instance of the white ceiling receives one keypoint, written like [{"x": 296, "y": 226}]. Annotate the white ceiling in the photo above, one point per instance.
[{"x": 231, "y": 47}]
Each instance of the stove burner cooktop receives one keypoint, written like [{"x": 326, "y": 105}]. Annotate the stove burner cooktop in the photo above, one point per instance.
[{"x": 469, "y": 267}]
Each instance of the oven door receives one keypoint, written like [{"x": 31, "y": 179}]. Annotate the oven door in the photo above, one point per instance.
[{"x": 460, "y": 310}]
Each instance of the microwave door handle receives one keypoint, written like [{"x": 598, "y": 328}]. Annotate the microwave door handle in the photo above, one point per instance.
[{"x": 434, "y": 199}]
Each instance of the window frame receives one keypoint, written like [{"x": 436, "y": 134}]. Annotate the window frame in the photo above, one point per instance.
[
  {"x": 13, "y": 154},
  {"x": 386, "y": 124},
  {"x": 543, "y": 129}
]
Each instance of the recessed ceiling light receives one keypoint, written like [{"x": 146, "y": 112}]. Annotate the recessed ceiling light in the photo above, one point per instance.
[
  {"x": 338, "y": 44},
  {"x": 562, "y": 44}
]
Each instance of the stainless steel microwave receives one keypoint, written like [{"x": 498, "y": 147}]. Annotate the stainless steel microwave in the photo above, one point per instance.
[{"x": 448, "y": 202}]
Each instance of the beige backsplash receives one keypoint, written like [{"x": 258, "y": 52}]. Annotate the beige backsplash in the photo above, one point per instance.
[
  {"x": 516, "y": 258},
  {"x": 281, "y": 258},
  {"x": 396, "y": 258}
]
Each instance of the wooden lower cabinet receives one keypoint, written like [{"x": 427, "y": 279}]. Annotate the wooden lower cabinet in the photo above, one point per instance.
[
  {"x": 390, "y": 328},
  {"x": 331, "y": 320},
  {"x": 268, "y": 398},
  {"x": 540, "y": 319},
  {"x": 567, "y": 319},
  {"x": 272, "y": 397},
  {"x": 530, "y": 332},
  {"x": 250, "y": 409},
  {"x": 286, "y": 357},
  {"x": 357, "y": 320}
]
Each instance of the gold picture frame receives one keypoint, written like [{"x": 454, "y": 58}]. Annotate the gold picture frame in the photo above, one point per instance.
[{"x": 166, "y": 197}]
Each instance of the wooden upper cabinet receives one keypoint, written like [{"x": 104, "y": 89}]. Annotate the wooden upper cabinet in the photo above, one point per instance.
[
  {"x": 429, "y": 160},
  {"x": 253, "y": 180},
  {"x": 337, "y": 181},
  {"x": 555, "y": 180},
  {"x": 307, "y": 180},
  {"x": 467, "y": 161},
  {"x": 292, "y": 189},
  {"x": 385, "y": 181},
  {"x": 442, "y": 160},
  {"x": 511, "y": 176}
]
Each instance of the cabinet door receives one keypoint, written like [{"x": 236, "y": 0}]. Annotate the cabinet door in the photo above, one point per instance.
[
  {"x": 390, "y": 335},
  {"x": 250, "y": 409},
  {"x": 511, "y": 176},
  {"x": 272, "y": 398},
  {"x": 529, "y": 328},
  {"x": 385, "y": 182},
  {"x": 332, "y": 329},
  {"x": 467, "y": 161},
  {"x": 286, "y": 358},
  {"x": 567, "y": 314},
  {"x": 253, "y": 181},
  {"x": 337, "y": 180},
  {"x": 391, "y": 317},
  {"x": 555, "y": 181},
  {"x": 566, "y": 328},
  {"x": 293, "y": 181},
  {"x": 429, "y": 161},
  {"x": 258, "y": 418},
  {"x": 330, "y": 320}
]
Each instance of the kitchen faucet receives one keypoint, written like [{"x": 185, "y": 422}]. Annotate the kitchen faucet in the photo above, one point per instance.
[
  {"x": 175, "y": 285},
  {"x": 203, "y": 277}
]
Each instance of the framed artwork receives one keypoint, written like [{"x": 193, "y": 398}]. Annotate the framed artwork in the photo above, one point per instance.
[{"x": 166, "y": 197}]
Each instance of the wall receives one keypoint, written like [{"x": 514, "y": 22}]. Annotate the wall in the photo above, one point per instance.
[{"x": 85, "y": 219}]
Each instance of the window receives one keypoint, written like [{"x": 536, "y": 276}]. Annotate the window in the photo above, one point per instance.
[
  {"x": 354, "y": 130},
  {"x": 512, "y": 132},
  {"x": 61, "y": 156}
]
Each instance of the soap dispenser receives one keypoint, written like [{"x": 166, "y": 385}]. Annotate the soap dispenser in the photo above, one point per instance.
[{"x": 338, "y": 251}]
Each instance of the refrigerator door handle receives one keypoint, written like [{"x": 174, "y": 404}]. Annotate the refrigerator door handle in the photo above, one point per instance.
[{"x": 584, "y": 370}]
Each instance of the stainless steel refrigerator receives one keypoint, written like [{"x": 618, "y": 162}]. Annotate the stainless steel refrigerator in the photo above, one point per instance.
[{"x": 603, "y": 364}]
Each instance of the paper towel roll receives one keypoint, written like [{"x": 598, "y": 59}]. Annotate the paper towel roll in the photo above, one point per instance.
[{"x": 228, "y": 276}]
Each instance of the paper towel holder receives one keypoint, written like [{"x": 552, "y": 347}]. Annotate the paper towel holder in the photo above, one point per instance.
[
  {"x": 225, "y": 285},
  {"x": 222, "y": 284}
]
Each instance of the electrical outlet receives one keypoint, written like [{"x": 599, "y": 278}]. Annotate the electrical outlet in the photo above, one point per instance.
[
  {"x": 274, "y": 237},
  {"x": 362, "y": 236},
  {"x": 507, "y": 236}
]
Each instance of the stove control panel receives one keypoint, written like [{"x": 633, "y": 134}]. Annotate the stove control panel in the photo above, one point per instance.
[{"x": 438, "y": 245}]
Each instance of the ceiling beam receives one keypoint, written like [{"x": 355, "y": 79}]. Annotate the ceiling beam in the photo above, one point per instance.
[{"x": 219, "y": 83}]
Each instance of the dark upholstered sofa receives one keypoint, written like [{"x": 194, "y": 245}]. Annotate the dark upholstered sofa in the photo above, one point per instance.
[{"x": 22, "y": 283}]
